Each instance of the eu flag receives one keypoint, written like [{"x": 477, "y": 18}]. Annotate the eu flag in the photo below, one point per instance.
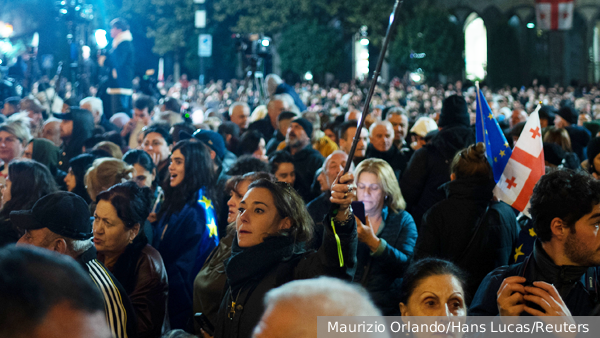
[{"x": 489, "y": 132}]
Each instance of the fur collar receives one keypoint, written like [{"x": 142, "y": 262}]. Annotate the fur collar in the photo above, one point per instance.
[{"x": 123, "y": 36}]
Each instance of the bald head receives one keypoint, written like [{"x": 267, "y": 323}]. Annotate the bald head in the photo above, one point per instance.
[{"x": 292, "y": 309}]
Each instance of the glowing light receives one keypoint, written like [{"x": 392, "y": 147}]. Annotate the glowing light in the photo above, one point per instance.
[
  {"x": 63, "y": 11},
  {"x": 364, "y": 41},
  {"x": 308, "y": 76},
  {"x": 6, "y": 30},
  {"x": 101, "y": 40},
  {"x": 531, "y": 25},
  {"x": 265, "y": 43},
  {"x": 416, "y": 77}
]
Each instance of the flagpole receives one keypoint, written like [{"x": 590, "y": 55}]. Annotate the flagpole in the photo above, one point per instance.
[{"x": 481, "y": 112}]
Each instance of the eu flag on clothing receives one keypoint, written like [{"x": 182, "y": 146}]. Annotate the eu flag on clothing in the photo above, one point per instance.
[{"x": 489, "y": 132}]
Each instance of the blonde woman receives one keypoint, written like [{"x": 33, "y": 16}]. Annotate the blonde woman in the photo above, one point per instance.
[
  {"x": 387, "y": 240},
  {"x": 103, "y": 174}
]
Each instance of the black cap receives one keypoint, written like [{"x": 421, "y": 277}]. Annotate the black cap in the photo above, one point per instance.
[
  {"x": 454, "y": 112},
  {"x": 213, "y": 140},
  {"x": 568, "y": 115},
  {"x": 63, "y": 213}
]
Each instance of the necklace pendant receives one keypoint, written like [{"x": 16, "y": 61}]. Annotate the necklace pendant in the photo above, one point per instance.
[{"x": 232, "y": 311}]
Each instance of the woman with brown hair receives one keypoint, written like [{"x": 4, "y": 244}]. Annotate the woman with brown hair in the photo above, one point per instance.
[
  {"x": 273, "y": 227},
  {"x": 561, "y": 137},
  {"x": 468, "y": 228}
]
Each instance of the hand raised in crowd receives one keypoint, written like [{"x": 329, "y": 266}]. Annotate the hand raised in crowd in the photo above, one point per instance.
[
  {"x": 510, "y": 296},
  {"x": 366, "y": 234},
  {"x": 128, "y": 127},
  {"x": 343, "y": 192},
  {"x": 545, "y": 296}
]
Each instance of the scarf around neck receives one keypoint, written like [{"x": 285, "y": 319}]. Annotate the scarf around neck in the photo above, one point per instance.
[{"x": 254, "y": 262}]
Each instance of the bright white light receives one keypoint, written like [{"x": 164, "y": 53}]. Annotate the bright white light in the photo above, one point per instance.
[
  {"x": 531, "y": 25},
  {"x": 63, "y": 11},
  {"x": 35, "y": 42},
  {"x": 308, "y": 76},
  {"x": 101, "y": 40},
  {"x": 6, "y": 30},
  {"x": 364, "y": 41},
  {"x": 265, "y": 43},
  {"x": 416, "y": 77},
  {"x": 475, "y": 48}
]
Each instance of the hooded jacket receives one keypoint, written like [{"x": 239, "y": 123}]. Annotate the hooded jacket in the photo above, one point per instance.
[
  {"x": 429, "y": 168},
  {"x": 448, "y": 227}
]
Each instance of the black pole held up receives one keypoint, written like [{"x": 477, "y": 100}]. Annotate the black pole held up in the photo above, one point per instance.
[{"x": 365, "y": 111}]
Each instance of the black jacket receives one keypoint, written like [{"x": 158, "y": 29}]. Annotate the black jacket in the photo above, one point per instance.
[
  {"x": 318, "y": 210},
  {"x": 252, "y": 272},
  {"x": 264, "y": 126},
  {"x": 580, "y": 297},
  {"x": 306, "y": 163},
  {"x": 429, "y": 168},
  {"x": 273, "y": 143},
  {"x": 381, "y": 272},
  {"x": 580, "y": 137},
  {"x": 448, "y": 227},
  {"x": 393, "y": 157},
  {"x": 120, "y": 63}
]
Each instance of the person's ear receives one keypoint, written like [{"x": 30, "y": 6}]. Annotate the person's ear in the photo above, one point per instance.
[
  {"x": 559, "y": 229},
  {"x": 59, "y": 245},
  {"x": 285, "y": 223},
  {"x": 228, "y": 138},
  {"x": 403, "y": 310},
  {"x": 134, "y": 232},
  {"x": 452, "y": 177},
  {"x": 153, "y": 174},
  {"x": 213, "y": 154}
]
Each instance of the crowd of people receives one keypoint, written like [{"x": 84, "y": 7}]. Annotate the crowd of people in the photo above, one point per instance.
[{"x": 201, "y": 211}]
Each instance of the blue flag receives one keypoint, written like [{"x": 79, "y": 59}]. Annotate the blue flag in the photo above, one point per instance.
[{"x": 489, "y": 132}]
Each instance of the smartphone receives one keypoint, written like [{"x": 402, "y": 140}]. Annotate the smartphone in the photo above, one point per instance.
[
  {"x": 531, "y": 304},
  {"x": 204, "y": 324},
  {"x": 358, "y": 209}
]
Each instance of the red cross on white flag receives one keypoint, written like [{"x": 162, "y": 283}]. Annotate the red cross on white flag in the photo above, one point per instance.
[
  {"x": 554, "y": 14},
  {"x": 524, "y": 168}
]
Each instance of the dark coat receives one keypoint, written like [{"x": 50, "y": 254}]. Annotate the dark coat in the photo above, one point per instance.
[
  {"x": 429, "y": 168},
  {"x": 380, "y": 272},
  {"x": 318, "y": 210},
  {"x": 120, "y": 62},
  {"x": 447, "y": 229},
  {"x": 184, "y": 242},
  {"x": 570, "y": 282},
  {"x": 306, "y": 163},
  {"x": 580, "y": 137},
  {"x": 141, "y": 271},
  {"x": 252, "y": 272},
  {"x": 273, "y": 143},
  {"x": 393, "y": 157},
  {"x": 8, "y": 233},
  {"x": 264, "y": 126}
]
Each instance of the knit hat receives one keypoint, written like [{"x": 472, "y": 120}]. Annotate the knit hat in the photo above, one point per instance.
[
  {"x": 305, "y": 124},
  {"x": 568, "y": 114},
  {"x": 423, "y": 126},
  {"x": 454, "y": 111}
]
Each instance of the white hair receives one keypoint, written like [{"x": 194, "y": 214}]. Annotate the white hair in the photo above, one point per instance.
[
  {"x": 385, "y": 123},
  {"x": 272, "y": 81},
  {"x": 95, "y": 103},
  {"x": 237, "y": 104},
  {"x": 324, "y": 296}
]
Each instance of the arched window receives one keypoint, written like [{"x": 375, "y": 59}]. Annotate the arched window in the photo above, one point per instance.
[{"x": 475, "y": 47}]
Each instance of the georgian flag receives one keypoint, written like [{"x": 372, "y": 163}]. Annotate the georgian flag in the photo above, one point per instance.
[
  {"x": 554, "y": 14},
  {"x": 524, "y": 168}
]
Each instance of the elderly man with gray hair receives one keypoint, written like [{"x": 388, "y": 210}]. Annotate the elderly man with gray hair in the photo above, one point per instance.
[
  {"x": 239, "y": 113},
  {"x": 96, "y": 107},
  {"x": 292, "y": 309}
]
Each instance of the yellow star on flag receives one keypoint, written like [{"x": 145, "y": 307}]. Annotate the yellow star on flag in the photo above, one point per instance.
[
  {"x": 495, "y": 159},
  {"x": 502, "y": 153},
  {"x": 506, "y": 144},
  {"x": 207, "y": 202},
  {"x": 213, "y": 228},
  {"x": 491, "y": 116},
  {"x": 532, "y": 233},
  {"x": 518, "y": 252}
]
